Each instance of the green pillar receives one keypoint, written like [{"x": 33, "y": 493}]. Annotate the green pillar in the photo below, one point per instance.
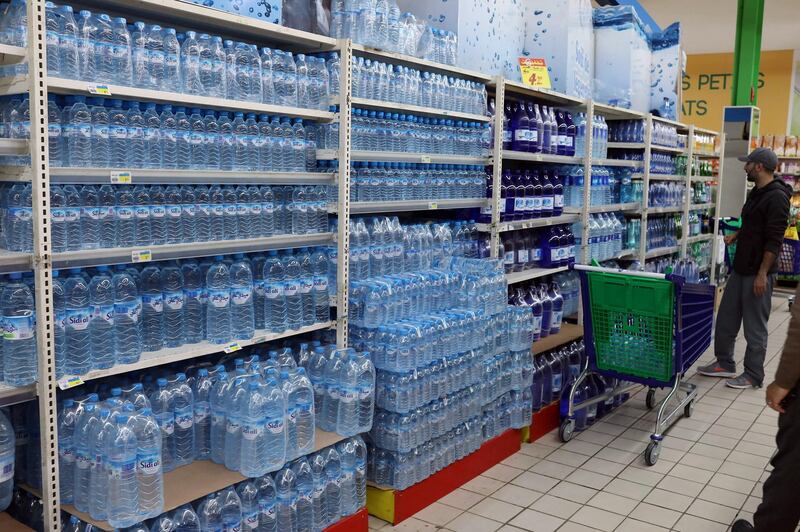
[{"x": 747, "y": 53}]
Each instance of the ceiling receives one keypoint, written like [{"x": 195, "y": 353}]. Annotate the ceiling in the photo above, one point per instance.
[{"x": 710, "y": 25}]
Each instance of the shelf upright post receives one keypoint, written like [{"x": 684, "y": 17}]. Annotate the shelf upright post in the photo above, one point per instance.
[
  {"x": 717, "y": 199},
  {"x": 343, "y": 210},
  {"x": 497, "y": 163},
  {"x": 42, "y": 264},
  {"x": 588, "y": 149},
  {"x": 648, "y": 142},
  {"x": 687, "y": 196}
]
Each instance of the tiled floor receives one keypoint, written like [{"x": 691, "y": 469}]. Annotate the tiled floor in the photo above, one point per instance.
[{"x": 711, "y": 469}]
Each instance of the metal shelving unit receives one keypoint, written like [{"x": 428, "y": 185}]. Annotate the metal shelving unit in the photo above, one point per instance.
[
  {"x": 374, "y": 207},
  {"x": 381, "y": 105},
  {"x": 535, "y": 273}
]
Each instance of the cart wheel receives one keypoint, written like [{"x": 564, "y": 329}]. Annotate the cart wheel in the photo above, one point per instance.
[
  {"x": 688, "y": 410},
  {"x": 566, "y": 430},
  {"x": 652, "y": 452},
  {"x": 650, "y": 400}
]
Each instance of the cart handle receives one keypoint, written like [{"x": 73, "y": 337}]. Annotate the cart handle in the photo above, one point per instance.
[{"x": 651, "y": 275}]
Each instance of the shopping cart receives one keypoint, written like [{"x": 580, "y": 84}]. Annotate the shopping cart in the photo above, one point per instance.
[{"x": 641, "y": 329}]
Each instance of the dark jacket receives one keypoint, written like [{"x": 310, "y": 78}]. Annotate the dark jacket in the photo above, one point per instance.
[{"x": 765, "y": 216}]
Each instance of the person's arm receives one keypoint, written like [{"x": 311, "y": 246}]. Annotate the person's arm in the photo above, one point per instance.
[
  {"x": 788, "y": 373},
  {"x": 777, "y": 216}
]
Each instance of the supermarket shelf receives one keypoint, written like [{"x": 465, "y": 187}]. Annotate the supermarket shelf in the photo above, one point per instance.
[
  {"x": 716, "y": 155},
  {"x": 699, "y": 238},
  {"x": 15, "y": 262},
  {"x": 11, "y": 395},
  {"x": 10, "y": 55},
  {"x": 626, "y": 145},
  {"x": 668, "y": 149},
  {"x": 534, "y": 273},
  {"x": 540, "y": 157},
  {"x": 658, "y": 252},
  {"x": 186, "y": 352},
  {"x": 149, "y": 176},
  {"x": 544, "y": 421},
  {"x": 204, "y": 19},
  {"x": 417, "y": 110},
  {"x": 403, "y": 157},
  {"x": 703, "y": 178},
  {"x": 9, "y": 524},
  {"x": 396, "y": 506},
  {"x": 196, "y": 480},
  {"x": 71, "y": 86},
  {"x": 551, "y": 96},
  {"x": 679, "y": 125},
  {"x": 534, "y": 222},
  {"x": 97, "y": 257},
  {"x": 789, "y": 158},
  {"x": 414, "y": 62},
  {"x": 664, "y": 210},
  {"x": 624, "y": 207},
  {"x": 569, "y": 333},
  {"x": 10, "y": 85},
  {"x": 616, "y": 162},
  {"x": 364, "y": 207},
  {"x": 13, "y": 146},
  {"x": 701, "y": 206},
  {"x": 617, "y": 113},
  {"x": 626, "y": 253},
  {"x": 357, "y": 522},
  {"x": 666, "y": 177}
]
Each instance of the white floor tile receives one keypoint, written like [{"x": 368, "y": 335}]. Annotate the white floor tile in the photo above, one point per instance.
[
  {"x": 556, "y": 506},
  {"x": 411, "y": 524},
  {"x": 682, "y": 486},
  {"x": 626, "y": 488},
  {"x": 712, "y": 511},
  {"x": 568, "y": 458},
  {"x": 497, "y": 510},
  {"x": 552, "y": 469},
  {"x": 468, "y": 522},
  {"x": 520, "y": 461},
  {"x": 597, "y": 518},
  {"x": 483, "y": 485},
  {"x": 535, "y": 481},
  {"x": 613, "y": 503},
  {"x": 573, "y": 492},
  {"x": 634, "y": 525},
  {"x": 570, "y": 526},
  {"x": 655, "y": 515},
  {"x": 516, "y": 495},
  {"x": 589, "y": 479},
  {"x": 534, "y": 521},
  {"x": 462, "y": 499},
  {"x": 723, "y": 496},
  {"x": 669, "y": 500},
  {"x": 502, "y": 472},
  {"x": 438, "y": 514},
  {"x": 740, "y": 485}
]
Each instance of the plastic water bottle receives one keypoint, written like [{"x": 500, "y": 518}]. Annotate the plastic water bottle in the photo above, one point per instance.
[
  {"x": 306, "y": 286},
  {"x": 141, "y": 212},
  {"x": 172, "y": 50},
  {"x": 78, "y": 334},
  {"x": 236, "y": 404},
  {"x": 98, "y": 474},
  {"x": 319, "y": 267},
  {"x": 366, "y": 393},
  {"x": 72, "y": 220},
  {"x": 58, "y": 214},
  {"x": 186, "y": 519},
  {"x": 66, "y": 450},
  {"x": 218, "y": 310},
  {"x": 152, "y": 309},
  {"x": 18, "y": 219},
  {"x": 125, "y": 235},
  {"x": 274, "y": 290},
  {"x": 349, "y": 406},
  {"x": 248, "y": 496},
  {"x": 7, "y": 455},
  {"x": 254, "y": 432},
  {"x": 333, "y": 491},
  {"x": 136, "y": 151},
  {"x": 164, "y": 416},
  {"x": 127, "y": 318},
  {"x": 101, "y": 326},
  {"x": 169, "y": 138},
  {"x": 202, "y": 414},
  {"x": 241, "y": 299},
  {"x": 123, "y": 500},
  {"x": 218, "y": 415},
  {"x": 183, "y": 139},
  {"x": 304, "y": 484},
  {"x": 275, "y": 412},
  {"x": 291, "y": 288},
  {"x": 107, "y": 216},
  {"x": 349, "y": 496},
  {"x": 194, "y": 311},
  {"x": 174, "y": 298},
  {"x": 287, "y": 493},
  {"x": 149, "y": 474},
  {"x": 182, "y": 402},
  {"x": 86, "y": 423}
]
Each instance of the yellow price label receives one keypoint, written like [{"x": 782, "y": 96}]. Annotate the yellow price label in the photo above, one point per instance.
[
  {"x": 534, "y": 72},
  {"x": 121, "y": 178},
  {"x": 230, "y": 348},
  {"x": 65, "y": 383},
  {"x": 425, "y": 159},
  {"x": 141, "y": 255},
  {"x": 99, "y": 88},
  {"x": 433, "y": 205}
]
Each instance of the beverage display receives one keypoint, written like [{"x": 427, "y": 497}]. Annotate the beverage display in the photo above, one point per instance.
[
  {"x": 548, "y": 247},
  {"x": 413, "y": 181},
  {"x": 544, "y": 129}
]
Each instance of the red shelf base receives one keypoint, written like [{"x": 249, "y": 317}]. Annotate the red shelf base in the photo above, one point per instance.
[
  {"x": 543, "y": 421},
  {"x": 396, "y": 506},
  {"x": 358, "y": 522}
]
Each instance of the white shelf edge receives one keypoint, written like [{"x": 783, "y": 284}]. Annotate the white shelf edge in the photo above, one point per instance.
[
  {"x": 365, "y": 207},
  {"x": 701, "y": 206},
  {"x": 667, "y": 177},
  {"x": 535, "y": 273},
  {"x": 360, "y": 49},
  {"x": 617, "y": 113},
  {"x": 13, "y": 146},
  {"x": 11, "y": 261},
  {"x": 623, "y": 163},
  {"x": 516, "y": 87},
  {"x": 520, "y": 225},
  {"x": 404, "y": 157},
  {"x": 664, "y": 210},
  {"x": 11, "y": 55},
  {"x": 540, "y": 157},
  {"x": 699, "y": 238},
  {"x": 416, "y": 109},
  {"x": 11, "y": 395},
  {"x": 658, "y": 252},
  {"x": 624, "y": 207}
]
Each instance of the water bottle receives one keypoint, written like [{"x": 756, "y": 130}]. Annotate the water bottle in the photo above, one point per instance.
[
  {"x": 72, "y": 220},
  {"x": 304, "y": 485},
  {"x": 267, "y": 499},
  {"x": 86, "y": 424},
  {"x": 125, "y": 235},
  {"x": 241, "y": 295},
  {"x": 218, "y": 416},
  {"x": 349, "y": 496},
  {"x": 306, "y": 287},
  {"x": 210, "y": 513},
  {"x": 172, "y": 50},
  {"x": 120, "y": 53},
  {"x": 123, "y": 500},
  {"x": 78, "y": 335},
  {"x": 165, "y": 417},
  {"x": 101, "y": 324},
  {"x": 149, "y": 474},
  {"x": 231, "y": 510},
  {"x": 186, "y": 519},
  {"x": 136, "y": 147},
  {"x": 275, "y": 309},
  {"x": 248, "y": 495},
  {"x": 182, "y": 404},
  {"x": 300, "y": 405},
  {"x": 174, "y": 211},
  {"x": 201, "y": 390},
  {"x": 54, "y": 132},
  {"x": 172, "y": 288},
  {"x": 287, "y": 493},
  {"x": 333, "y": 490},
  {"x": 141, "y": 213},
  {"x": 118, "y": 134},
  {"x": 319, "y": 267},
  {"x": 127, "y": 318},
  {"x": 152, "y": 309},
  {"x": 169, "y": 138},
  {"x": 236, "y": 403},
  {"x": 58, "y": 214},
  {"x": 66, "y": 450},
  {"x": 218, "y": 309},
  {"x": 18, "y": 219},
  {"x": 194, "y": 306},
  {"x": 366, "y": 393}
]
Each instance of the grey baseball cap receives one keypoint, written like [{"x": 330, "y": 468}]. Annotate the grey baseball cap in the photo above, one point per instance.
[{"x": 764, "y": 156}]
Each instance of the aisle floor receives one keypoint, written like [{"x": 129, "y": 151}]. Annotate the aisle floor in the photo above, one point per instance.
[{"x": 711, "y": 469}]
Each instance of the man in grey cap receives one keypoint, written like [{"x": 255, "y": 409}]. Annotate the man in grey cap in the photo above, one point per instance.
[{"x": 748, "y": 292}]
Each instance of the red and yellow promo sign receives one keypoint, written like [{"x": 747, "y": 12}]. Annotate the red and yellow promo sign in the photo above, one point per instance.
[{"x": 534, "y": 72}]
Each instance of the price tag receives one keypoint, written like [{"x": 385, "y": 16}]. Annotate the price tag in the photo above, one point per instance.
[
  {"x": 121, "y": 178},
  {"x": 98, "y": 88},
  {"x": 65, "y": 383},
  {"x": 426, "y": 159},
  {"x": 432, "y": 205},
  {"x": 230, "y": 348},
  {"x": 141, "y": 255},
  {"x": 534, "y": 72}
]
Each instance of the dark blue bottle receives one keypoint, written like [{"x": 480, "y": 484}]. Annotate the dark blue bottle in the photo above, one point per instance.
[
  {"x": 570, "y": 134},
  {"x": 561, "y": 127},
  {"x": 558, "y": 194},
  {"x": 536, "y": 128},
  {"x": 548, "y": 199},
  {"x": 521, "y": 125}
]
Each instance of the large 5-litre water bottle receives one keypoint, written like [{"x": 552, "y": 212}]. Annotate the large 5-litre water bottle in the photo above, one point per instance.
[
  {"x": 218, "y": 308},
  {"x": 319, "y": 267},
  {"x": 101, "y": 326},
  {"x": 301, "y": 411},
  {"x": 182, "y": 403},
  {"x": 287, "y": 494},
  {"x": 7, "y": 448},
  {"x": 91, "y": 217},
  {"x": 123, "y": 500},
  {"x": 194, "y": 311},
  {"x": 202, "y": 414},
  {"x": 152, "y": 309},
  {"x": 149, "y": 473},
  {"x": 274, "y": 293},
  {"x": 294, "y": 303},
  {"x": 86, "y": 424},
  {"x": 242, "y": 319},
  {"x": 254, "y": 435},
  {"x": 72, "y": 220},
  {"x": 236, "y": 403},
  {"x": 174, "y": 303},
  {"x": 165, "y": 417},
  {"x": 78, "y": 334},
  {"x": 66, "y": 451},
  {"x": 127, "y": 318},
  {"x": 347, "y": 453},
  {"x": 333, "y": 491}
]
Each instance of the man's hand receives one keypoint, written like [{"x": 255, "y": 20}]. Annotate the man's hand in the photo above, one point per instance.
[
  {"x": 760, "y": 284},
  {"x": 776, "y": 394},
  {"x": 731, "y": 238}
]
